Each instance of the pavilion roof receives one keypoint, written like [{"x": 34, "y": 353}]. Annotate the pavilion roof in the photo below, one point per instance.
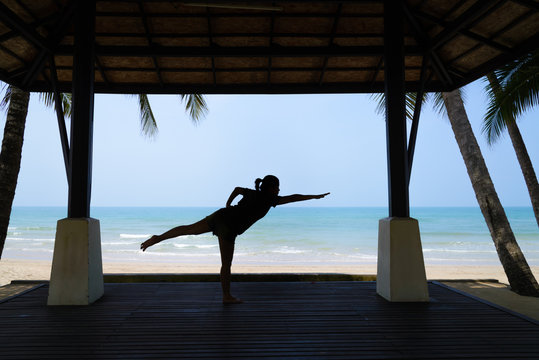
[{"x": 296, "y": 46}]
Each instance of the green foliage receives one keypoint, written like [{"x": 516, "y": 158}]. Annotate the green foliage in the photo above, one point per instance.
[
  {"x": 380, "y": 99},
  {"x": 516, "y": 91},
  {"x": 436, "y": 98},
  {"x": 148, "y": 125},
  {"x": 48, "y": 100},
  {"x": 4, "y": 103},
  {"x": 196, "y": 105}
]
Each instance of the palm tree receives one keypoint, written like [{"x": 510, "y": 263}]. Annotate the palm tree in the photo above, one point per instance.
[
  {"x": 512, "y": 90},
  {"x": 511, "y": 257},
  {"x": 513, "y": 261},
  {"x": 10, "y": 157}
]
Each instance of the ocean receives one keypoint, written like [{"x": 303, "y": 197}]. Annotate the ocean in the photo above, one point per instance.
[{"x": 286, "y": 236}]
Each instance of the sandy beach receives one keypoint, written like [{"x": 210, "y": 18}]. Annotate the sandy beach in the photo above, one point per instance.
[{"x": 15, "y": 269}]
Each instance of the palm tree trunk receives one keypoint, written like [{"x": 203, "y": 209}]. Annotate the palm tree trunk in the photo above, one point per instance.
[
  {"x": 10, "y": 156},
  {"x": 522, "y": 155},
  {"x": 513, "y": 261},
  {"x": 525, "y": 165}
]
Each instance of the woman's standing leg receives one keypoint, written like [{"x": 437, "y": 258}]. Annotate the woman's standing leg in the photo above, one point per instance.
[{"x": 226, "y": 246}]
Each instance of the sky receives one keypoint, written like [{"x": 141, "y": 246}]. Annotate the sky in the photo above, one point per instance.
[{"x": 313, "y": 143}]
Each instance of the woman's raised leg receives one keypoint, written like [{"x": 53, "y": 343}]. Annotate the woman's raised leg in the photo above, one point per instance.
[
  {"x": 197, "y": 228},
  {"x": 226, "y": 246}
]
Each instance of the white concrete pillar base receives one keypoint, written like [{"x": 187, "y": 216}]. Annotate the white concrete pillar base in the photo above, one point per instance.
[
  {"x": 77, "y": 270},
  {"x": 401, "y": 269}
]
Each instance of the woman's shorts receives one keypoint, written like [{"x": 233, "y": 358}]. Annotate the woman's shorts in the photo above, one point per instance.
[{"x": 219, "y": 227}]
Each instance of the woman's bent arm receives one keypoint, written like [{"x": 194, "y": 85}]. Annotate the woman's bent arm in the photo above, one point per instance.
[
  {"x": 237, "y": 191},
  {"x": 298, "y": 197}
]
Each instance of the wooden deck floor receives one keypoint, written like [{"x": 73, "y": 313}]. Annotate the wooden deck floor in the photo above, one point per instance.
[{"x": 284, "y": 320}]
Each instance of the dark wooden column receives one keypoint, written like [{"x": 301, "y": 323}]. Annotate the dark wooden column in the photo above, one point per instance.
[
  {"x": 83, "y": 111},
  {"x": 397, "y": 157}
]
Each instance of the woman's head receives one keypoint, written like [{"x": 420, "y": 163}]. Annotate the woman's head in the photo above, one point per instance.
[{"x": 270, "y": 183}]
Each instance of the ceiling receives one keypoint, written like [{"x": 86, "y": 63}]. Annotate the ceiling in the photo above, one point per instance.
[{"x": 296, "y": 46}]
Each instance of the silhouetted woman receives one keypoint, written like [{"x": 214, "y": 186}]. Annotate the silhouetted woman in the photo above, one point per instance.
[{"x": 231, "y": 221}]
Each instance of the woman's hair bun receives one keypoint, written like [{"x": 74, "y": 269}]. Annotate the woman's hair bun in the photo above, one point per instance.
[
  {"x": 267, "y": 182},
  {"x": 257, "y": 183}
]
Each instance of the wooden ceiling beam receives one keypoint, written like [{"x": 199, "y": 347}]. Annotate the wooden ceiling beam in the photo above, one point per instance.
[
  {"x": 518, "y": 51},
  {"x": 55, "y": 36},
  {"x": 35, "y": 24},
  {"x": 263, "y": 88},
  {"x": 466, "y": 32},
  {"x": 27, "y": 9},
  {"x": 378, "y": 69},
  {"x": 472, "y": 14},
  {"x": 238, "y": 34},
  {"x": 424, "y": 41},
  {"x": 245, "y": 69},
  {"x": 149, "y": 39},
  {"x": 13, "y": 21},
  {"x": 264, "y": 2},
  {"x": 210, "y": 39},
  {"x": 507, "y": 27},
  {"x": 240, "y": 15},
  {"x": 100, "y": 68},
  {"x": 331, "y": 38},
  {"x": 249, "y": 51},
  {"x": 271, "y": 34},
  {"x": 12, "y": 54},
  {"x": 533, "y": 5}
]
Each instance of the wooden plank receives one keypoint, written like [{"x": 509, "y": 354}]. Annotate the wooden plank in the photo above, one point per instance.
[{"x": 284, "y": 320}]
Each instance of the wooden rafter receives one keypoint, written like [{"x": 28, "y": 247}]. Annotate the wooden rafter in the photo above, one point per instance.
[
  {"x": 330, "y": 44},
  {"x": 55, "y": 37},
  {"x": 149, "y": 39},
  {"x": 211, "y": 45},
  {"x": 240, "y": 51},
  {"x": 12, "y": 20},
  {"x": 493, "y": 36},
  {"x": 425, "y": 42},
  {"x": 60, "y": 115}
]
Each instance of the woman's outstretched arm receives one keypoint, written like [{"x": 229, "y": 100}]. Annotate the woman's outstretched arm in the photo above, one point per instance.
[{"x": 298, "y": 197}]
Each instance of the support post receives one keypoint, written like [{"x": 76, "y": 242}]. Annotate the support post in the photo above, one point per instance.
[
  {"x": 83, "y": 111},
  {"x": 77, "y": 272},
  {"x": 60, "y": 116},
  {"x": 400, "y": 269},
  {"x": 397, "y": 157},
  {"x": 417, "y": 113}
]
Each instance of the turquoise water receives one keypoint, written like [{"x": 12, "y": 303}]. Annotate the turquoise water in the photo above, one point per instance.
[{"x": 286, "y": 236}]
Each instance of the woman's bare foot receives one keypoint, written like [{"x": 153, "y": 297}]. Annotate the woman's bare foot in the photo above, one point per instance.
[
  {"x": 151, "y": 241},
  {"x": 231, "y": 300}
]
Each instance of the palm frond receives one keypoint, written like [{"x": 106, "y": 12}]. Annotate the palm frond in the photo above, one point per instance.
[
  {"x": 67, "y": 104},
  {"x": 380, "y": 100},
  {"x": 196, "y": 105},
  {"x": 508, "y": 70},
  {"x": 147, "y": 119},
  {"x": 48, "y": 99},
  {"x": 494, "y": 123},
  {"x": 438, "y": 102},
  {"x": 4, "y": 103},
  {"x": 520, "y": 87},
  {"x": 410, "y": 101}
]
